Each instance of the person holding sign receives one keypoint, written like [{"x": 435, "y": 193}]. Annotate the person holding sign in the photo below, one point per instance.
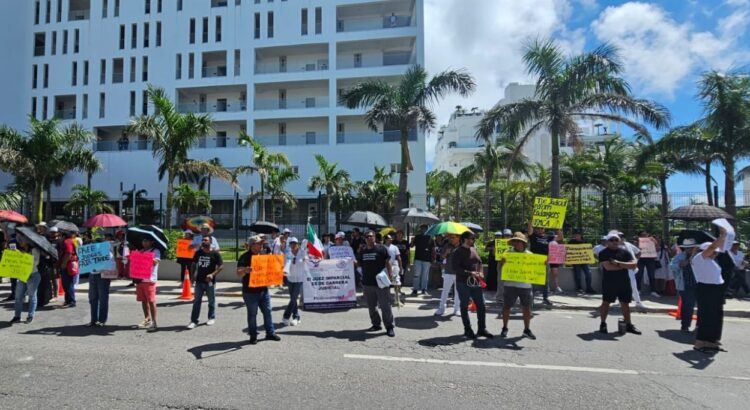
[
  {"x": 517, "y": 290},
  {"x": 184, "y": 257},
  {"x": 27, "y": 287},
  {"x": 295, "y": 270},
  {"x": 467, "y": 265},
  {"x": 373, "y": 258},
  {"x": 145, "y": 290},
  {"x": 615, "y": 262},
  {"x": 582, "y": 268},
  {"x": 207, "y": 264},
  {"x": 257, "y": 297},
  {"x": 709, "y": 293},
  {"x": 99, "y": 284},
  {"x": 647, "y": 261},
  {"x": 539, "y": 244}
]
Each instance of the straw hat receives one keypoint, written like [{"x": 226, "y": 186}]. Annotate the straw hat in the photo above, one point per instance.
[{"x": 518, "y": 236}]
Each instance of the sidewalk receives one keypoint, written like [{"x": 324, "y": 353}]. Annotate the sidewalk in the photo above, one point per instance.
[{"x": 567, "y": 301}]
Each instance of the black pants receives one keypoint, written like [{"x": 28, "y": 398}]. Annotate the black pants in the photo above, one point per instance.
[{"x": 710, "y": 300}]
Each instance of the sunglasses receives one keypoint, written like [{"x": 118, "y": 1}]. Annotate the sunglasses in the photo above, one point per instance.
[
  {"x": 614, "y": 240},
  {"x": 369, "y": 236}
]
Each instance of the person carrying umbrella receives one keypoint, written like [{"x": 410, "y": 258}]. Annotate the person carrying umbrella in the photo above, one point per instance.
[
  {"x": 467, "y": 265},
  {"x": 29, "y": 287}
]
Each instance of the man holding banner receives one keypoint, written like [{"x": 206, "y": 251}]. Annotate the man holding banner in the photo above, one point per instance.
[
  {"x": 513, "y": 290},
  {"x": 255, "y": 297}
]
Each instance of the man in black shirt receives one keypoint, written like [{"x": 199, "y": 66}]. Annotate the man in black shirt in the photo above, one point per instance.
[
  {"x": 583, "y": 268},
  {"x": 207, "y": 264},
  {"x": 255, "y": 297},
  {"x": 424, "y": 249},
  {"x": 615, "y": 262},
  {"x": 539, "y": 244},
  {"x": 373, "y": 259}
]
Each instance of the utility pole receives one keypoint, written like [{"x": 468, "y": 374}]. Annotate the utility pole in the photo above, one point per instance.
[{"x": 133, "y": 204}]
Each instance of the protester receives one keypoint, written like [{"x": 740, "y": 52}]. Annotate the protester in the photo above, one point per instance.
[
  {"x": 662, "y": 274},
  {"x": 9, "y": 243},
  {"x": 451, "y": 243},
  {"x": 423, "y": 259},
  {"x": 709, "y": 293},
  {"x": 539, "y": 244},
  {"x": 554, "y": 268},
  {"x": 54, "y": 239},
  {"x": 615, "y": 262},
  {"x": 467, "y": 265},
  {"x": 583, "y": 268},
  {"x": 394, "y": 258},
  {"x": 280, "y": 243},
  {"x": 326, "y": 241},
  {"x": 206, "y": 230},
  {"x": 357, "y": 241},
  {"x": 602, "y": 244},
  {"x": 28, "y": 287},
  {"x": 68, "y": 265},
  {"x": 185, "y": 263},
  {"x": 517, "y": 290},
  {"x": 505, "y": 234},
  {"x": 99, "y": 295},
  {"x": 257, "y": 297},
  {"x": 647, "y": 265},
  {"x": 296, "y": 272},
  {"x": 634, "y": 252},
  {"x": 373, "y": 259},
  {"x": 145, "y": 290},
  {"x": 739, "y": 280},
  {"x": 403, "y": 246},
  {"x": 207, "y": 264},
  {"x": 682, "y": 271}
]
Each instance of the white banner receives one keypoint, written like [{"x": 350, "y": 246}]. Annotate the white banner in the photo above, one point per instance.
[{"x": 330, "y": 285}]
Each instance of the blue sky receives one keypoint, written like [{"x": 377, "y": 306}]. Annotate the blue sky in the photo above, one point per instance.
[{"x": 665, "y": 45}]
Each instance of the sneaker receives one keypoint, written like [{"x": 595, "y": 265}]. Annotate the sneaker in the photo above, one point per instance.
[
  {"x": 15, "y": 319},
  {"x": 253, "y": 340},
  {"x": 469, "y": 333},
  {"x": 591, "y": 292},
  {"x": 632, "y": 329},
  {"x": 558, "y": 290},
  {"x": 374, "y": 328},
  {"x": 603, "y": 328},
  {"x": 211, "y": 322},
  {"x": 130, "y": 285},
  {"x": 424, "y": 292},
  {"x": 90, "y": 324},
  {"x": 152, "y": 328},
  {"x": 191, "y": 325},
  {"x": 656, "y": 295},
  {"x": 439, "y": 313},
  {"x": 100, "y": 324},
  {"x": 145, "y": 324},
  {"x": 273, "y": 337},
  {"x": 504, "y": 332},
  {"x": 295, "y": 322},
  {"x": 640, "y": 305},
  {"x": 579, "y": 290},
  {"x": 285, "y": 322},
  {"x": 547, "y": 303},
  {"x": 685, "y": 329},
  {"x": 414, "y": 293},
  {"x": 484, "y": 333},
  {"x": 528, "y": 334},
  {"x": 390, "y": 332},
  {"x": 456, "y": 313},
  {"x": 28, "y": 320}
]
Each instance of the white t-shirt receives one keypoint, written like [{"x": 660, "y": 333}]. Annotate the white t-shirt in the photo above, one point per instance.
[
  {"x": 393, "y": 253},
  {"x": 706, "y": 270},
  {"x": 738, "y": 258},
  {"x": 295, "y": 267},
  {"x": 155, "y": 269}
]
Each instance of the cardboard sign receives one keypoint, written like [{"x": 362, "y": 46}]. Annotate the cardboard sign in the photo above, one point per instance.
[
  {"x": 267, "y": 270},
  {"x": 330, "y": 285},
  {"x": 95, "y": 257},
  {"x": 183, "y": 249},
  {"x": 141, "y": 264},
  {"x": 501, "y": 246},
  {"x": 16, "y": 264},
  {"x": 525, "y": 267},
  {"x": 549, "y": 212},
  {"x": 647, "y": 247},
  {"x": 338, "y": 252},
  {"x": 556, "y": 253},
  {"x": 579, "y": 254}
]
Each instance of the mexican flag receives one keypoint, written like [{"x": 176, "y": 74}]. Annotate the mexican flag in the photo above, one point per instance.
[{"x": 314, "y": 246}]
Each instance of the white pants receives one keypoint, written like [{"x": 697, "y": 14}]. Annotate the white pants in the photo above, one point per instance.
[
  {"x": 636, "y": 294},
  {"x": 449, "y": 281}
]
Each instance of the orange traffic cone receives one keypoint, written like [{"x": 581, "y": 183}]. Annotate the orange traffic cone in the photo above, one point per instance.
[
  {"x": 472, "y": 306},
  {"x": 187, "y": 290},
  {"x": 60, "y": 291},
  {"x": 676, "y": 313}
]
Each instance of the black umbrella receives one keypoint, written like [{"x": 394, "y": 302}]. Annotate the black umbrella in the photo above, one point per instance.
[
  {"x": 40, "y": 241},
  {"x": 474, "y": 227},
  {"x": 418, "y": 216},
  {"x": 136, "y": 235},
  {"x": 264, "y": 227},
  {"x": 698, "y": 213},
  {"x": 698, "y": 236},
  {"x": 65, "y": 226},
  {"x": 367, "y": 219}
]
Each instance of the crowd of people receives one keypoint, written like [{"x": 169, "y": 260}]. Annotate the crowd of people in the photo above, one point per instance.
[{"x": 699, "y": 272}]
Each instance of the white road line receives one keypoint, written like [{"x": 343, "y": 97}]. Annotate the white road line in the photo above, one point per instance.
[{"x": 494, "y": 364}]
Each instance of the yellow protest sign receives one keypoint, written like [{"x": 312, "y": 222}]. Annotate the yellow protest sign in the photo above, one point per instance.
[
  {"x": 501, "y": 246},
  {"x": 16, "y": 264},
  {"x": 549, "y": 212},
  {"x": 579, "y": 254},
  {"x": 183, "y": 249},
  {"x": 525, "y": 267},
  {"x": 267, "y": 270}
]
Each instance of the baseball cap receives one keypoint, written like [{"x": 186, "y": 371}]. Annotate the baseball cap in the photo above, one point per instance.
[
  {"x": 613, "y": 235},
  {"x": 340, "y": 235},
  {"x": 507, "y": 231},
  {"x": 293, "y": 240},
  {"x": 254, "y": 239},
  {"x": 54, "y": 229},
  {"x": 286, "y": 230}
]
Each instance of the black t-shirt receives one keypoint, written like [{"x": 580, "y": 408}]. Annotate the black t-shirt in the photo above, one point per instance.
[
  {"x": 576, "y": 242},
  {"x": 619, "y": 254},
  {"x": 403, "y": 249},
  {"x": 205, "y": 264},
  {"x": 244, "y": 262},
  {"x": 423, "y": 246},
  {"x": 373, "y": 262},
  {"x": 465, "y": 259},
  {"x": 538, "y": 244},
  {"x": 357, "y": 243}
]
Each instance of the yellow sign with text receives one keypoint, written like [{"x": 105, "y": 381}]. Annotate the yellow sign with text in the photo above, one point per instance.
[
  {"x": 525, "y": 267},
  {"x": 501, "y": 246},
  {"x": 549, "y": 212},
  {"x": 579, "y": 254},
  {"x": 16, "y": 264}
]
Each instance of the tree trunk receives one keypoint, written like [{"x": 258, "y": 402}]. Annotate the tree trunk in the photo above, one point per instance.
[
  {"x": 262, "y": 198},
  {"x": 403, "y": 177},
  {"x": 328, "y": 212},
  {"x": 709, "y": 194},
  {"x": 730, "y": 201},
  {"x": 487, "y": 182},
  {"x": 555, "y": 166},
  {"x": 580, "y": 207},
  {"x": 664, "y": 207},
  {"x": 39, "y": 201},
  {"x": 48, "y": 210},
  {"x": 605, "y": 211},
  {"x": 170, "y": 200}
]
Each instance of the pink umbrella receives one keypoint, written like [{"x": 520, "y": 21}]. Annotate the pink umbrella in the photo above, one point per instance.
[
  {"x": 105, "y": 221},
  {"x": 12, "y": 216}
]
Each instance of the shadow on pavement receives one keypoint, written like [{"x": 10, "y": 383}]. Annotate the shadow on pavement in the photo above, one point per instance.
[
  {"x": 509, "y": 343},
  {"x": 596, "y": 335},
  {"x": 350, "y": 335},
  {"x": 233, "y": 305},
  {"x": 174, "y": 303},
  {"x": 677, "y": 336},
  {"x": 79, "y": 331},
  {"x": 417, "y": 323},
  {"x": 443, "y": 341},
  {"x": 221, "y": 348},
  {"x": 695, "y": 359}
]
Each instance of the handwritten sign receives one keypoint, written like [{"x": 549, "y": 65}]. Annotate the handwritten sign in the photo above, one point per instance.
[
  {"x": 556, "y": 253},
  {"x": 183, "y": 249},
  {"x": 525, "y": 267},
  {"x": 141, "y": 264},
  {"x": 648, "y": 247},
  {"x": 549, "y": 212},
  {"x": 95, "y": 257},
  {"x": 579, "y": 254},
  {"x": 267, "y": 270},
  {"x": 16, "y": 264},
  {"x": 501, "y": 246},
  {"x": 338, "y": 252}
]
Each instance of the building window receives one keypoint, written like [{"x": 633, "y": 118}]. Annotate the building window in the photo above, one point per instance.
[
  {"x": 178, "y": 67},
  {"x": 39, "y": 42},
  {"x": 205, "y": 29},
  {"x": 270, "y": 24},
  {"x": 102, "y": 71},
  {"x": 85, "y": 111},
  {"x": 158, "y": 6},
  {"x": 158, "y": 33},
  {"x": 65, "y": 42},
  {"x": 304, "y": 22},
  {"x": 33, "y": 106},
  {"x": 122, "y": 36},
  {"x": 318, "y": 20},
  {"x": 134, "y": 36},
  {"x": 34, "y": 73},
  {"x": 118, "y": 70},
  {"x": 59, "y": 11},
  {"x": 86, "y": 72},
  {"x": 44, "y": 108},
  {"x": 256, "y": 27},
  {"x": 237, "y": 62},
  {"x": 192, "y": 31},
  {"x": 76, "y": 41},
  {"x": 37, "y": 12},
  {"x": 49, "y": 11},
  {"x": 237, "y": 2},
  {"x": 144, "y": 103},
  {"x": 191, "y": 65},
  {"x": 45, "y": 83},
  {"x": 218, "y": 29},
  {"x": 104, "y": 9},
  {"x": 132, "y": 103},
  {"x": 145, "y": 35},
  {"x": 74, "y": 81},
  {"x": 102, "y": 104},
  {"x": 147, "y": 6},
  {"x": 144, "y": 69},
  {"x": 179, "y": 5},
  {"x": 117, "y": 8},
  {"x": 132, "y": 69},
  {"x": 53, "y": 45}
]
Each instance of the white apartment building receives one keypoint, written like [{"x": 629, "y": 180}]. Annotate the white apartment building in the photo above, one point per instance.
[
  {"x": 272, "y": 68},
  {"x": 457, "y": 145}
]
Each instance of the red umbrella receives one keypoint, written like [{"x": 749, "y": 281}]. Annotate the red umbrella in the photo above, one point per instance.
[
  {"x": 12, "y": 216},
  {"x": 105, "y": 221}
]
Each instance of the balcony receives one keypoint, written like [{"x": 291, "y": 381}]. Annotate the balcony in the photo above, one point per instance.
[
  {"x": 66, "y": 114},
  {"x": 117, "y": 77},
  {"x": 78, "y": 10},
  {"x": 218, "y": 3},
  {"x": 218, "y": 141},
  {"x": 77, "y": 15},
  {"x": 122, "y": 145},
  {"x": 219, "y": 71},
  {"x": 214, "y": 64},
  {"x": 372, "y": 23},
  {"x": 375, "y": 16},
  {"x": 310, "y": 138},
  {"x": 372, "y": 137},
  {"x": 376, "y": 53},
  {"x": 296, "y": 67},
  {"x": 291, "y": 104},
  {"x": 386, "y": 59},
  {"x": 220, "y": 105},
  {"x": 292, "y": 59}
]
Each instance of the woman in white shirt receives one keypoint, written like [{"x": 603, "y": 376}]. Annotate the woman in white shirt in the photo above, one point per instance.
[{"x": 709, "y": 293}]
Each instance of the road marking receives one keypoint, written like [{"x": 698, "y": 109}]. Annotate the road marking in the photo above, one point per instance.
[{"x": 494, "y": 364}]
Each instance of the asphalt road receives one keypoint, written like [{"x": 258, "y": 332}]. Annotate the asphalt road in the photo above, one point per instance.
[{"x": 328, "y": 361}]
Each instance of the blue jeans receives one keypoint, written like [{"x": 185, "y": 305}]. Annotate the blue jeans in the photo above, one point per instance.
[
  {"x": 253, "y": 301},
  {"x": 99, "y": 298},
  {"x": 577, "y": 271},
  {"x": 688, "y": 304},
  {"x": 465, "y": 292},
  {"x": 69, "y": 286},
  {"x": 22, "y": 289},
  {"x": 295, "y": 288},
  {"x": 421, "y": 270},
  {"x": 210, "y": 290}
]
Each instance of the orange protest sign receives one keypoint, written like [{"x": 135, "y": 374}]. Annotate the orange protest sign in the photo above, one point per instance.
[
  {"x": 183, "y": 249},
  {"x": 267, "y": 270}
]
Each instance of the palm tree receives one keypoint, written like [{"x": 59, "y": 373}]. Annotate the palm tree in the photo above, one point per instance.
[
  {"x": 405, "y": 106},
  {"x": 276, "y": 183},
  {"x": 173, "y": 134},
  {"x": 11, "y": 199},
  {"x": 457, "y": 184},
  {"x": 263, "y": 162},
  {"x": 188, "y": 200},
  {"x": 578, "y": 172},
  {"x": 609, "y": 160},
  {"x": 46, "y": 153},
  {"x": 335, "y": 181},
  {"x": 85, "y": 198},
  {"x": 437, "y": 188},
  {"x": 378, "y": 193},
  {"x": 587, "y": 86}
]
